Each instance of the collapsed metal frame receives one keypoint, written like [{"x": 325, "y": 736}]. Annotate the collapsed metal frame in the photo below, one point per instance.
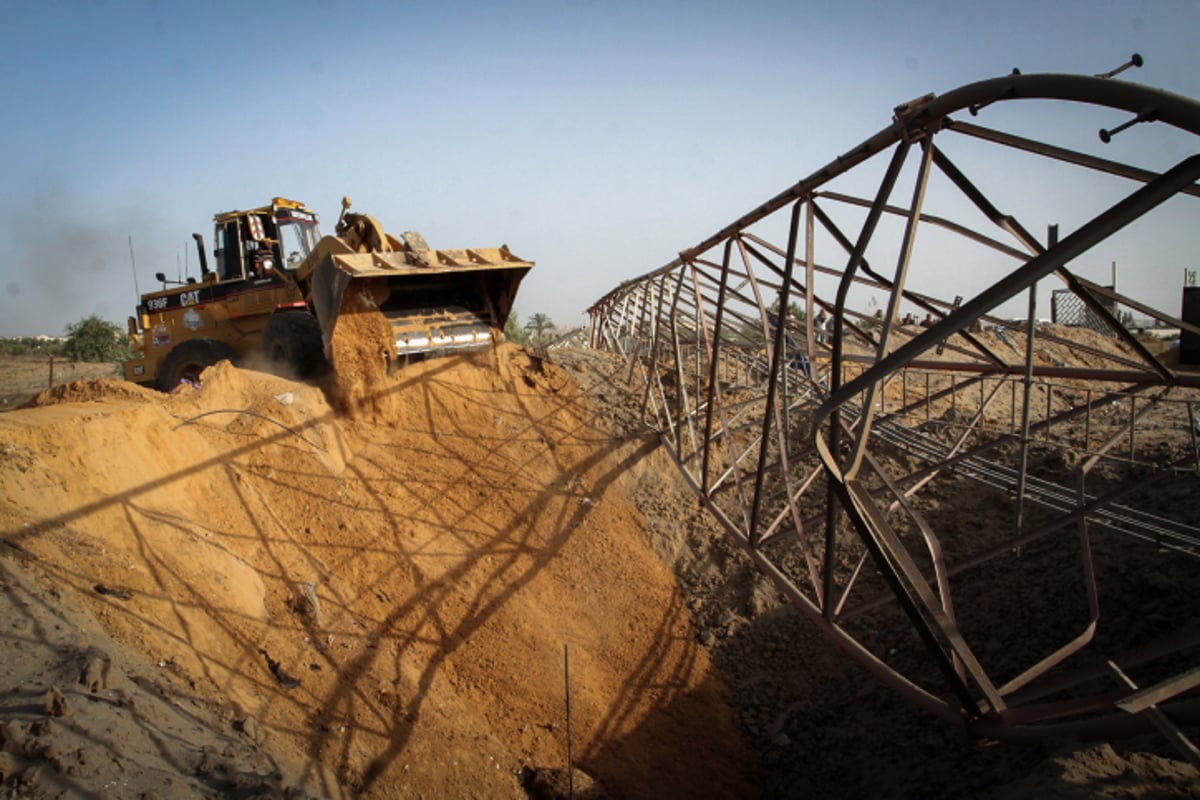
[{"x": 794, "y": 438}]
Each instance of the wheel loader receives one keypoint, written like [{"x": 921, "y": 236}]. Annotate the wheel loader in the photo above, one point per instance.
[{"x": 279, "y": 289}]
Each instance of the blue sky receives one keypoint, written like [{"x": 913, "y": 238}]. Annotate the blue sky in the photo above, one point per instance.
[{"x": 595, "y": 138}]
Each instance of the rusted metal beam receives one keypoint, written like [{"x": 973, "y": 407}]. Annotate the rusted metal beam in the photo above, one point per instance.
[{"x": 868, "y": 455}]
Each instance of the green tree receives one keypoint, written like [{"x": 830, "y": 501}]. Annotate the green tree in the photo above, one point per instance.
[
  {"x": 513, "y": 332},
  {"x": 30, "y": 345},
  {"x": 539, "y": 327},
  {"x": 95, "y": 339}
]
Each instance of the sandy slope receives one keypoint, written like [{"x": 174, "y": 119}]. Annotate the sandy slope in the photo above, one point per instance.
[{"x": 374, "y": 606}]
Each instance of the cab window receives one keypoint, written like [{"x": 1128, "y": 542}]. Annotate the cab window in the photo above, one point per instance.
[
  {"x": 298, "y": 235},
  {"x": 229, "y": 252}
]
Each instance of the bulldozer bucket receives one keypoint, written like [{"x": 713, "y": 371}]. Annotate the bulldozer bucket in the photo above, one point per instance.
[{"x": 433, "y": 300}]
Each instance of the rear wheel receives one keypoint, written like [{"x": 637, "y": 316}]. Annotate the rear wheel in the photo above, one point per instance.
[
  {"x": 189, "y": 359},
  {"x": 292, "y": 343}
]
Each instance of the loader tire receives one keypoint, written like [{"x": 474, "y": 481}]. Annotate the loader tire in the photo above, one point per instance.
[
  {"x": 189, "y": 359},
  {"x": 292, "y": 343}
]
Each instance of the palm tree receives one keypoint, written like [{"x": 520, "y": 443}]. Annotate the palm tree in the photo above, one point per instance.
[{"x": 538, "y": 326}]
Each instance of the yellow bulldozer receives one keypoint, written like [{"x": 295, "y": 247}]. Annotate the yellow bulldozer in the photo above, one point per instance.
[{"x": 279, "y": 289}]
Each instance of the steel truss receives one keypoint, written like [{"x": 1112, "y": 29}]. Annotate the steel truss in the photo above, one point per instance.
[{"x": 829, "y": 451}]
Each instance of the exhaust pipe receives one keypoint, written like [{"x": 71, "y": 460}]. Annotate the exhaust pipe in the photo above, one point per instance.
[{"x": 203, "y": 255}]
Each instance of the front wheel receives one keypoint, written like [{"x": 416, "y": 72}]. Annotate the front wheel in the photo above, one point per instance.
[
  {"x": 292, "y": 343},
  {"x": 186, "y": 361}
]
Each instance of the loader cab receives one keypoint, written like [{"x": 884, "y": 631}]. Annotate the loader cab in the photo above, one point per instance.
[
  {"x": 254, "y": 245},
  {"x": 298, "y": 232}
]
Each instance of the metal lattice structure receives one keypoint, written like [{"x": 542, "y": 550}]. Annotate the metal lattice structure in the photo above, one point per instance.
[{"x": 828, "y": 380}]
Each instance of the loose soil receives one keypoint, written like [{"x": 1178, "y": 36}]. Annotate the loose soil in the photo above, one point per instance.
[
  {"x": 362, "y": 346},
  {"x": 241, "y": 591},
  {"x": 234, "y": 591}
]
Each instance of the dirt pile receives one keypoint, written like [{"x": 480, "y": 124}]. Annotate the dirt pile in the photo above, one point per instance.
[{"x": 236, "y": 592}]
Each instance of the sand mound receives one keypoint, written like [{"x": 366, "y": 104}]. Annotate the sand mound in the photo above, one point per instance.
[
  {"x": 374, "y": 606},
  {"x": 103, "y": 390}
]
